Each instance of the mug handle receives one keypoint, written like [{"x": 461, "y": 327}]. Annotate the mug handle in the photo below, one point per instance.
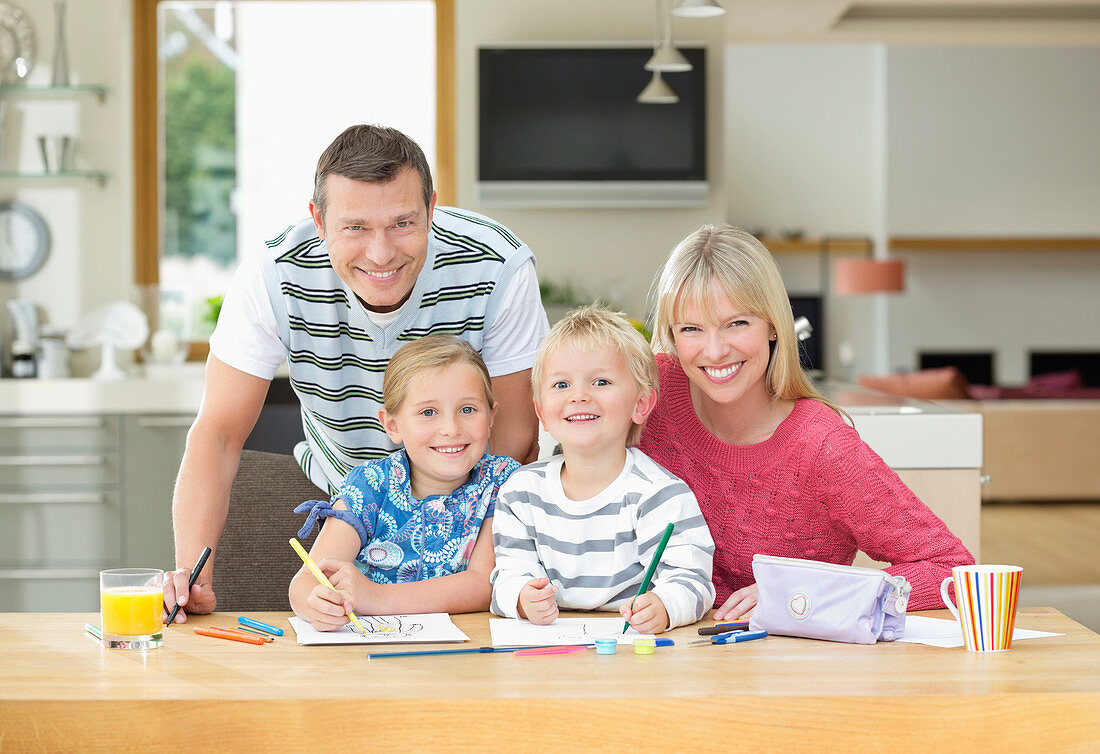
[{"x": 947, "y": 600}]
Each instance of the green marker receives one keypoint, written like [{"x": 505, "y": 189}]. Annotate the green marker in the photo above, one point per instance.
[{"x": 652, "y": 567}]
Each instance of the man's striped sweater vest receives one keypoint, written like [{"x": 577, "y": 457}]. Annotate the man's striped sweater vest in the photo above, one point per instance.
[{"x": 337, "y": 355}]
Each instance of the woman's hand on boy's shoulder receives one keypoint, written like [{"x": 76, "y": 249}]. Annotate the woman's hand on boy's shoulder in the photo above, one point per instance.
[
  {"x": 646, "y": 614},
  {"x": 538, "y": 602}
]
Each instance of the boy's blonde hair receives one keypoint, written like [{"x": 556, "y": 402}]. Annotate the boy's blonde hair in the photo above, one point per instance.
[
  {"x": 595, "y": 326},
  {"x": 739, "y": 265},
  {"x": 429, "y": 354}
]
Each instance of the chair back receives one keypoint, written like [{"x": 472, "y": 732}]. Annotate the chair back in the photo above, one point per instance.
[{"x": 255, "y": 563}]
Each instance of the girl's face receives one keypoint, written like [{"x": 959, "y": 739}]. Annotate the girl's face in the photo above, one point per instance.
[
  {"x": 444, "y": 423},
  {"x": 726, "y": 358}
]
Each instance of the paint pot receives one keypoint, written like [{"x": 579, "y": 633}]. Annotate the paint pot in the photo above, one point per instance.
[
  {"x": 606, "y": 646},
  {"x": 644, "y": 646}
]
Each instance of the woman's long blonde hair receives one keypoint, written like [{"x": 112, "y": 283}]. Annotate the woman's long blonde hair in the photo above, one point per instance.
[{"x": 739, "y": 265}]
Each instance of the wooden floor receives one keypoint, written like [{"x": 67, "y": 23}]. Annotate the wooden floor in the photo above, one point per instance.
[{"x": 1056, "y": 543}]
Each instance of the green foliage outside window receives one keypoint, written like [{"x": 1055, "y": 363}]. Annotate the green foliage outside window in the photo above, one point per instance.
[{"x": 200, "y": 162}]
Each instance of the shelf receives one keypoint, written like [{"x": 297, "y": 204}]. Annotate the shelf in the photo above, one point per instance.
[
  {"x": 20, "y": 175},
  {"x": 935, "y": 244},
  {"x": 815, "y": 245},
  {"x": 995, "y": 243},
  {"x": 52, "y": 92}
]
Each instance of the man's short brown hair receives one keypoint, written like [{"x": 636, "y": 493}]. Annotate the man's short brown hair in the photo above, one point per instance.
[{"x": 371, "y": 154}]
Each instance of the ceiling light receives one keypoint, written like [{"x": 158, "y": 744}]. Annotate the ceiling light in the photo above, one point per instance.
[
  {"x": 698, "y": 9},
  {"x": 658, "y": 92}
]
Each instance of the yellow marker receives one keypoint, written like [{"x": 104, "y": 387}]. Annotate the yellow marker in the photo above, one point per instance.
[{"x": 321, "y": 576}]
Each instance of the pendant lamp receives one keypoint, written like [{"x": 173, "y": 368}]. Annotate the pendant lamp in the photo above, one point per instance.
[
  {"x": 698, "y": 9},
  {"x": 658, "y": 92}
]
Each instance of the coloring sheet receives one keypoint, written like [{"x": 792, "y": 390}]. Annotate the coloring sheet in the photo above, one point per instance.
[
  {"x": 427, "y": 628},
  {"x": 938, "y": 632},
  {"x": 520, "y": 633}
]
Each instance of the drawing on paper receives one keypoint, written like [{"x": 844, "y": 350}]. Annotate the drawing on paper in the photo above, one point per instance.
[{"x": 391, "y": 626}]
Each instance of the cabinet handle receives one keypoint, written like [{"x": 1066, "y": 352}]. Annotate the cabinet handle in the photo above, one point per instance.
[
  {"x": 88, "y": 460},
  {"x": 162, "y": 422},
  {"x": 41, "y": 574},
  {"x": 51, "y": 422},
  {"x": 46, "y": 498}
]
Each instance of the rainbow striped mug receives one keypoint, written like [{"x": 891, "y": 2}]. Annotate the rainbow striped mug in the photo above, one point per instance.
[{"x": 986, "y": 608}]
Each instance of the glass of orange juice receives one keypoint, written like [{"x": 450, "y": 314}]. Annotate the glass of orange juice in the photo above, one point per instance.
[{"x": 130, "y": 602}]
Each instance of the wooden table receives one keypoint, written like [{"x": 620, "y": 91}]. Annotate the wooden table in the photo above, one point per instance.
[{"x": 59, "y": 690}]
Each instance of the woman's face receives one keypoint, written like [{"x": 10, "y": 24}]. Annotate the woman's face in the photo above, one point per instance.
[{"x": 726, "y": 358}]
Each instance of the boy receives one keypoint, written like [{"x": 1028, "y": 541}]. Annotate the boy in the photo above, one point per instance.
[{"x": 578, "y": 530}]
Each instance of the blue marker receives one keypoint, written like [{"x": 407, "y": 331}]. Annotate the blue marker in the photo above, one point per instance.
[
  {"x": 738, "y": 636},
  {"x": 262, "y": 626}
]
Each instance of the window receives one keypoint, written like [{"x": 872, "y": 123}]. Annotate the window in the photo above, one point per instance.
[{"x": 234, "y": 102}]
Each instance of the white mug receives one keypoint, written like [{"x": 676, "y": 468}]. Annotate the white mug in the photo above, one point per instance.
[{"x": 986, "y": 609}]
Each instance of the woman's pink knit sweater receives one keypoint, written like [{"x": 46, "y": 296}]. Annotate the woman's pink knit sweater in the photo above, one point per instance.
[{"x": 812, "y": 490}]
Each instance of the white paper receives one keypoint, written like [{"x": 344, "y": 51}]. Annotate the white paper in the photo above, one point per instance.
[
  {"x": 938, "y": 632},
  {"x": 510, "y": 632},
  {"x": 426, "y": 628}
]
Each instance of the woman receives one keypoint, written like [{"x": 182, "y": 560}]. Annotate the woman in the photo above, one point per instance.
[{"x": 775, "y": 467}]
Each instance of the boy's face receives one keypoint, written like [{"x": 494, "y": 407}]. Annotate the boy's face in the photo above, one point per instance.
[
  {"x": 589, "y": 400},
  {"x": 444, "y": 422}
]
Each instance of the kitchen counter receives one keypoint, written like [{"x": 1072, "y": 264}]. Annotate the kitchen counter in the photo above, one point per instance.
[
  {"x": 911, "y": 434},
  {"x": 174, "y": 391}
]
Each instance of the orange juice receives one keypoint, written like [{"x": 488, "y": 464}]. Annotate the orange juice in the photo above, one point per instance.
[{"x": 131, "y": 610}]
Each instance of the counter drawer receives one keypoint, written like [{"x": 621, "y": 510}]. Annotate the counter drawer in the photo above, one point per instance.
[
  {"x": 19, "y": 433},
  {"x": 50, "y": 591},
  {"x": 42, "y": 470},
  {"x": 59, "y": 529}
]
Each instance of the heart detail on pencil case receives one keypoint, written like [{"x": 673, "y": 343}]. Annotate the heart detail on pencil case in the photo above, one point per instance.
[{"x": 799, "y": 605}]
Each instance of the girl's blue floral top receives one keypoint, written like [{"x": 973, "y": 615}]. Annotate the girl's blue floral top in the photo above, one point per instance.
[{"x": 404, "y": 539}]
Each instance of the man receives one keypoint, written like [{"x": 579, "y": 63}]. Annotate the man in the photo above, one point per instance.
[{"x": 377, "y": 266}]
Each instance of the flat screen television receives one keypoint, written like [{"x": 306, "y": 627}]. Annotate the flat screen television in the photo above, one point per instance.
[{"x": 563, "y": 123}]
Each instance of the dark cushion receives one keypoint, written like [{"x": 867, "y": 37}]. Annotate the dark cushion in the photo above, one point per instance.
[{"x": 255, "y": 562}]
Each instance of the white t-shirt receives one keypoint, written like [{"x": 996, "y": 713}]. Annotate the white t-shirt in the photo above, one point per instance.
[{"x": 247, "y": 337}]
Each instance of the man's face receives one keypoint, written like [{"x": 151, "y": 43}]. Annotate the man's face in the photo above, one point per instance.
[{"x": 377, "y": 236}]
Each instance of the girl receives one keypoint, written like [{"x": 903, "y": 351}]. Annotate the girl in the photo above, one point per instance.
[
  {"x": 775, "y": 468},
  {"x": 414, "y": 523}
]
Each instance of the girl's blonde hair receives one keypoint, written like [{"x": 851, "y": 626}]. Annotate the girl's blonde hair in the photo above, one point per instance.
[
  {"x": 735, "y": 262},
  {"x": 595, "y": 326},
  {"x": 428, "y": 354}
]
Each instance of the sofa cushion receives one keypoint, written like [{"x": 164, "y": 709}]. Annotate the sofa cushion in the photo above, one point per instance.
[{"x": 944, "y": 383}]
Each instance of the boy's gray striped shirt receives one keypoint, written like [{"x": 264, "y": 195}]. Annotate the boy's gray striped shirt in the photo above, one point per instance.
[{"x": 596, "y": 551}]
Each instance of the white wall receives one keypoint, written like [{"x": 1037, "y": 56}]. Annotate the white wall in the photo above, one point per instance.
[
  {"x": 995, "y": 141},
  {"x": 980, "y": 142},
  {"x": 610, "y": 253}
]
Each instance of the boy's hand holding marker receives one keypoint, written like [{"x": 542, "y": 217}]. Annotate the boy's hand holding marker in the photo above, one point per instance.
[
  {"x": 538, "y": 601},
  {"x": 646, "y": 614}
]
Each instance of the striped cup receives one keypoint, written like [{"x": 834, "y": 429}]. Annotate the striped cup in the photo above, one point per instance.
[{"x": 986, "y": 607}]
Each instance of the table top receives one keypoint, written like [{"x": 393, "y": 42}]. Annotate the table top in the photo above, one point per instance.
[
  {"x": 60, "y": 690},
  {"x": 48, "y": 656}
]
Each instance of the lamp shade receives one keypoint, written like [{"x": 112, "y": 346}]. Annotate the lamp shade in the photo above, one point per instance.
[
  {"x": 668, "y": 59},
  {"x": 698, "y": 9},
  {"x": 852, "y": 277},
  {"x": 658, "y": 92}
]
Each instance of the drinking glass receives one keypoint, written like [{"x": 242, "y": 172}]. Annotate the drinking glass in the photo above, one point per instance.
[{"x": 131, "y": 601}]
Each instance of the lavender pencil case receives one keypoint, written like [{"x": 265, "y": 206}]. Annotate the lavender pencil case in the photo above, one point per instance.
[{"x": 827, "y": 601}]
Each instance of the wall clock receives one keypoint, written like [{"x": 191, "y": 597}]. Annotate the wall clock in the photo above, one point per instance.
[{"x": 24, "y": 240}]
